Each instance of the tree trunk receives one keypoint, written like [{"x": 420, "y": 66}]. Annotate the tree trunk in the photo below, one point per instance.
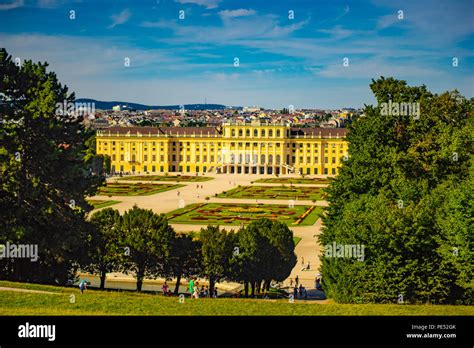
[
  {"x": 253, "y": 289},
  {"x": 246, "y": 288},
  {"x": 178, "y": 281},
  {"x": 140, "y": 274},
  {"x": 102, "y": 280},
  {"x": 211, "y": 286}
]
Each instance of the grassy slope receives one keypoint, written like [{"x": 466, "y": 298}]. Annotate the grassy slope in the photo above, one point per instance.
[{"x": 129, "y": 303}]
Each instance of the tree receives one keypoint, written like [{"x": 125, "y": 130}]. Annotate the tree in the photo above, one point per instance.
[
  {"x": 105, "y": 251},
  {"x": 98, "y": 164},
  {"x": 217, "y": 250},
  {"x": 394, "y": 195},
  {"x": 147, "y": 242},
  {"x": 43, "y": 175},
  {"x": 185, "y": 258},
  {"x": 266, "y": 253},
  {"x": 247, "y": 263},
  {"x": 282, "y": 256}
]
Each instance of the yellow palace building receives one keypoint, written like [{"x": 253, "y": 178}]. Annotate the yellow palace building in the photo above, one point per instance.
[{"x": 240, "y": 148}]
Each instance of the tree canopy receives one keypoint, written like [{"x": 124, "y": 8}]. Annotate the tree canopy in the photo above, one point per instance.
[{"x": 405, "y": 193}]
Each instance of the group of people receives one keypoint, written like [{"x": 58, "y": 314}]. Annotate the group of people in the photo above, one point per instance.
[
  {"x": 304, "y": 267},
  {"x": 195, "y": 290},
  {"x": 301, "y": 291},
  {"x": 166, "y": 289},
  {"x": 203, "y": 291}
]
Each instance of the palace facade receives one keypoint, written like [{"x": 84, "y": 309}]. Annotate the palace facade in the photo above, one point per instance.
[{"x": 241, "y": 148}]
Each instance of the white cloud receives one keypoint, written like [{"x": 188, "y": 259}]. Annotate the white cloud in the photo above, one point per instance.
[
  {"x": 209, "y": 4},
  {"x": 337, "y": 32},
  {"x": 120, "y": 18},
  {"x": 12, "y": 5},
  {"x": 345, "y": 11},
  {"x": 236, "y": 13}
]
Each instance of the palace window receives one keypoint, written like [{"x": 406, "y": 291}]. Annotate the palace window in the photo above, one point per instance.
[
  {"x": 278, "y": 133},
  {"x": 270, "y": 133},
  {"x": 247, "y": 133},
  {"x": 240, "y": 132},
  {"x": 255, "y": 133}
]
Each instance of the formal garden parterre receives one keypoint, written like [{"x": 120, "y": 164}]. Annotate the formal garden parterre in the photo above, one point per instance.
[
  {"x": 301, "y": 181},
  {"x": 274, "y": 192},
  {"x": 176, "y": 178},
  {"x": 237, "y": 214},
  {"x": 135, "y": 189}
]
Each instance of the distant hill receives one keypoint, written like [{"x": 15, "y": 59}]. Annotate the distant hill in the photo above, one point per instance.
[{"x": 107, "y": 105}]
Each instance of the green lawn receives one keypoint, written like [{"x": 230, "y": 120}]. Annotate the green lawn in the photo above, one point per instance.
[
  {"x": 306, "y": 181},
  {"x": 94, "y": 302},
  {"x": 138, "y": 189},
  {"x": 236, "y": 214},
  {"x": 178, "y": 178},
  {"x": 296, "y": 240},
  {"x": 274, "y": 192},
  {"x": 99, "y": 203}
]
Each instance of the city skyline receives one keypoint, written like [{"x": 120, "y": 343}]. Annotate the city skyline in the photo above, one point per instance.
[{"x": 289, "y": 53}]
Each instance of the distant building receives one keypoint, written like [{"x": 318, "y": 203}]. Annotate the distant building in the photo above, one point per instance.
[
  {"x": 251, "y": 109},
  {"x": 237, "y": 147}
]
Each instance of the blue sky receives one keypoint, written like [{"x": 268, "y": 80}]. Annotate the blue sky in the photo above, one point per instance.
[{"x": 282, "y": 61}]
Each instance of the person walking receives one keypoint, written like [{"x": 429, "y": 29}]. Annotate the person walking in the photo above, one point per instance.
[
  {"x": 165, "y": 288},
  {"x": 301, "y": 290},
  {"x": 83, "y": 285},
  {"x": 191, "y": 287},
  {"x": 196, "y": 292},
  {"x": 297, "y": 280},
  {"x": 302, "y": 261},
  {"x": 295, "y": 292}
]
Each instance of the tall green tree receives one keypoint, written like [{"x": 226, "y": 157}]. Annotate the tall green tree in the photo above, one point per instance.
[
  {"x": 266, "y": 253},
  {"x": 217, "y": 251},
  {"x": 390, "y": 197},
  {"x": 185, "y": 259},
  {"x": 147, "y": 243},
  {"x": 104, "y": 247},
  {"x": 43, "y": 174}
]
